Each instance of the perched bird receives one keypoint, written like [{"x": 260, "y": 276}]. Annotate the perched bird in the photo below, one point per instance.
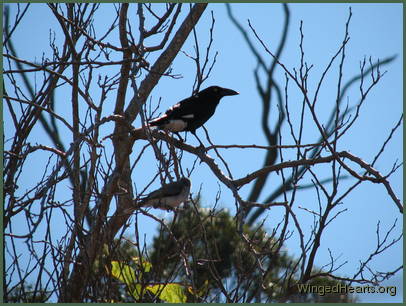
[
  {"x": 169, "y": 195},
  {"x": 191, "y": 113}
]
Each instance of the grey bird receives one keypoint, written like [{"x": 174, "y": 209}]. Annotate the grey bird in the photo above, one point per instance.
[{"x": 169, "y": 195}]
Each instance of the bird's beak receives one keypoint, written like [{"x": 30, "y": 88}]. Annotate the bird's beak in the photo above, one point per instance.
[{"x": 228, "y": 92}]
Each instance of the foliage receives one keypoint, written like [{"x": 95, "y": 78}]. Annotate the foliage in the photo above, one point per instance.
[
  {"x": 27, "y": 294},
  {"x": 248, "y": 263},
  {"x": 171, "y": 293}
]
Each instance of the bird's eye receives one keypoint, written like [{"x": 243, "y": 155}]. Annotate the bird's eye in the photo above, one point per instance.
[{"x": 216, "y": 89}]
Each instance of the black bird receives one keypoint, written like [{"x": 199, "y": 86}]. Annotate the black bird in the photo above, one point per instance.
[{"x": 191, "y": 113}]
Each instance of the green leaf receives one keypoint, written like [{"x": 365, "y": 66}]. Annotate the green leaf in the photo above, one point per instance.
[
  {"x": 137, "y": 291},
  {"x": 144, "y": 265},
  {"x": 124, "y": 273},
  {"x": 201, "y": 291},
  {"x": 171, "y": 293}
]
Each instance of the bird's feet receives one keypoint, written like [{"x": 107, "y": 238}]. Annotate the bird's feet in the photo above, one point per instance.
[
  {"x": 163, "y": 207},
  {"x": 201, "y": 148},
  {"x": 169, "y": 208},
  {"x": 180, "y": 137}
]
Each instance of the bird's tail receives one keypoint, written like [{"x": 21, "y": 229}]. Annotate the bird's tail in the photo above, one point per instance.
[
  {"x": 144, "y": 202},
  {"x": 158, "y": 122}
]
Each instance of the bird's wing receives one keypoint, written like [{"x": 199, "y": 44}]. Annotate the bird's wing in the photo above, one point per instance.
[
  {"x": 168, "y": 190},
  {"x": 184, "y": 109}
]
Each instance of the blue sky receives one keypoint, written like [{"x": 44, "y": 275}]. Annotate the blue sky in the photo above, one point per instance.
[{"x": 375, "y": 30}]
